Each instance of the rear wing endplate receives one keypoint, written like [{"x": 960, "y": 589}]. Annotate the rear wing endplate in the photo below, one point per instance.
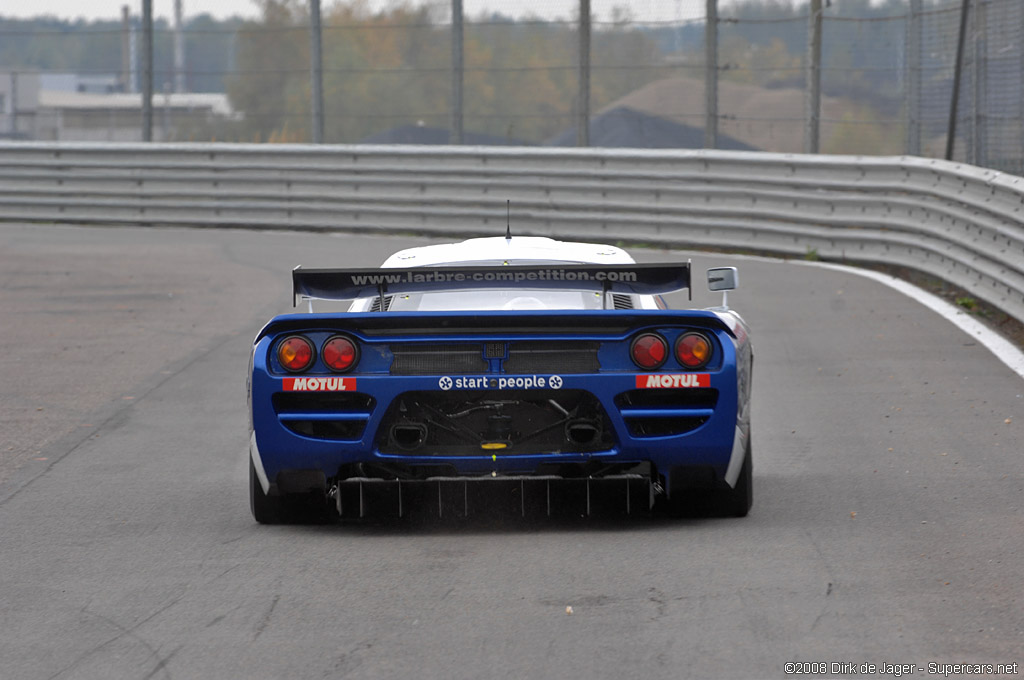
[{"x": 348, "y": 284}]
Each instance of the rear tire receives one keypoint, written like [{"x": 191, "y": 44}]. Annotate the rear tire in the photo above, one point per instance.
[
  {"x": 736, "y": 502},
  {"x": 717, "y": 502},
  {"x": 265, "y": 509}
]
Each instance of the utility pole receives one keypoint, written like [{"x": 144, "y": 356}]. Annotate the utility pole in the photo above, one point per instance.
[
  {"x": 317, "y": 71},
  {"x": 455, "y": 133},
  {"x": 711, "y": 75},
  {"x": 813, "y": 132},
  {"x": 147, "y": 70},
  {"x": 583, "y": 107}
]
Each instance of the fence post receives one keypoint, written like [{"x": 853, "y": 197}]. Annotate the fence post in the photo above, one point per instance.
[
  {"x": 316, "y": 62},
  {"x": 957, "y": 73},
  {"x": 179, "y": 49},
  {"x": 455, "y": 134},
  {"x": 13, "y": 120},
  {"x": 147, "y": 70},
  {"x": 1018, "y": 166},
  {"x": 583, "y": 109},
  {"x": 711, "y": 75},
  {"x": 912, "y": 80},
  {"x": 981, "y": 121},
  {"x": 813, "y": 95},
  {"x": 127, "y": 65}
]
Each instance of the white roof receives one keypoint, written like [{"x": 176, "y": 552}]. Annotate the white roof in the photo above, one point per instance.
[
  {"x": 518, "y": 248},
  {"x": 216, "y": 102}
]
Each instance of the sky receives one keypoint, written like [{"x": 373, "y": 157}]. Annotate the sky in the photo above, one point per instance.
[{"x": 650, "y": 10}]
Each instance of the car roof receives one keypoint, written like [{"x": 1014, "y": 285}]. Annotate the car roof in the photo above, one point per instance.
[{"x": 518, "y": 248}]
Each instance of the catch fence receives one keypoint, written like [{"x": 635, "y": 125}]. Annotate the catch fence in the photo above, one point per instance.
[{"x": 392, "y": 76}]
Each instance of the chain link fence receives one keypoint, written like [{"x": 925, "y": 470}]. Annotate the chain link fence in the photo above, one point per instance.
[
  {"x": 991, "y": 115},
  {"x": 887, "y": 76}
]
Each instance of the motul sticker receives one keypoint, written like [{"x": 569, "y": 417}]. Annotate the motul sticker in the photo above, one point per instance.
[
  {"x": 318, "y": 384},
  {"x": 652, "y": 380}
]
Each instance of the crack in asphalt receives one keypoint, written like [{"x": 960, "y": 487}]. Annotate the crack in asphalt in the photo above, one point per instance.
[
  {"x": 266, "y": 618},
  {"x": 129, "y": 633}
]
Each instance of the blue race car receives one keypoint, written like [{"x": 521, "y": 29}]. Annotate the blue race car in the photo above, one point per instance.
[{"x": 520, "y": 373}]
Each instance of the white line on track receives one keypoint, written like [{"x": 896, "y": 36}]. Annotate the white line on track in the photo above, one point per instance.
[{"x": 1004, "y": 350}]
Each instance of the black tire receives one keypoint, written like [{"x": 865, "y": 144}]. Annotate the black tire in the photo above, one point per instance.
[
  {"x": 717, "y": 502},
  {"x": 736, "y": 502},
  {"x": 265, "y": 509}
]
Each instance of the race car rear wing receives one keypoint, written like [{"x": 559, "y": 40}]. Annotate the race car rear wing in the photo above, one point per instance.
[{"x": 348, "y": 284}]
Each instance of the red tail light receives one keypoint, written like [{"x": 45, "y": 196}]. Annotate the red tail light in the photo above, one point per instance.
[
  {"x": 693, "y": 350},
  {"x": 649, "y": 351},
  {"x": 340, "y": 353},
  {"x": 295, "y": 353}
]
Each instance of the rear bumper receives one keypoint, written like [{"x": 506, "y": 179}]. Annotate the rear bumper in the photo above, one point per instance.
[{"x": 353, "y": 452}]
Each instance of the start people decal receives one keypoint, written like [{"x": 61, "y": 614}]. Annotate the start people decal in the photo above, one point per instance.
[{"x": 553, "y": 382}]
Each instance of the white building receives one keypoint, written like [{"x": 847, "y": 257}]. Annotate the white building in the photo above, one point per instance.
[
  {"x": 19, "y": 97},
  {"x": 74, "y": 113}
]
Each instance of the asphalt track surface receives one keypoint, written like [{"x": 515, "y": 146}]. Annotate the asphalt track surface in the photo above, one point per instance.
[{"x": 887, "y": 524}]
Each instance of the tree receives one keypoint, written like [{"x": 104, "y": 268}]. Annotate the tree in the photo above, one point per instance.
[{"x": 271, "y": 56}]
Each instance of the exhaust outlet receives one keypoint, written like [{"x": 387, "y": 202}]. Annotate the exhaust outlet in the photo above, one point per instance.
[
  {"x": 409, "y": 435},
  {"x": 582, "y": 432}
]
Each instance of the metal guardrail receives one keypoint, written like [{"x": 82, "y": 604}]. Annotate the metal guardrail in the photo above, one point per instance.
[{"x": 959, "y": 223}]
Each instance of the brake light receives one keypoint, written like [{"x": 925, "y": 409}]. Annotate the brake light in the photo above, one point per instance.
[
  {"x": 339, "y": 353},
  {"x": 649, "y": 351},
  {"x": 295, "y": 353},
  {"x": 693, "y": 350}
]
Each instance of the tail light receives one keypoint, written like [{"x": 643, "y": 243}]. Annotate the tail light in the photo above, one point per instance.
[
  {"x": 295, "y": 353},
  {"x": 649, "y": 351},
  {"x": 340, "y": 353},
  {"x": 693, "y": 350}
]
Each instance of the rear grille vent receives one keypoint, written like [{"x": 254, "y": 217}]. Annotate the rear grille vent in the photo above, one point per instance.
[
  {"x": 622, "y": 301},
  {"x": 699, "y": 397},
  {"x": 375, "y": 305},
  {"x": 438, "y": 358},
  {"x": 666, "y": 412},
  {"x": 552, "y": 356},
  {"x": 466, "y": 358},
  {"x": 322, "y": 415}
]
